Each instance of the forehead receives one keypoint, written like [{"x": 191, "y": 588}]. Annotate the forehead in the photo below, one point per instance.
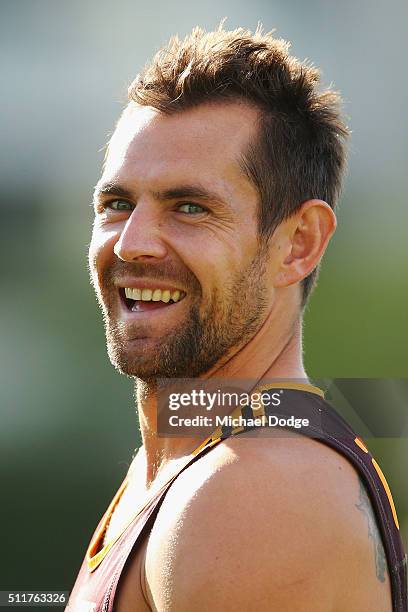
[{"x": 206, "y": 142}]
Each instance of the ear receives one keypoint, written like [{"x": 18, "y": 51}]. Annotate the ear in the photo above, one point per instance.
[{"x": 307, "y": 234}]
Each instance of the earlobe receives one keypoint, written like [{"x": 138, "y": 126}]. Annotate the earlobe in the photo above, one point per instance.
[{"x": 309, "y": 231}]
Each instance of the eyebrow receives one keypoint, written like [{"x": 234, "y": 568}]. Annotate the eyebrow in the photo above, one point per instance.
[
  {"x": 111, "y": 189},
  {"x": 182, "y": 191}
]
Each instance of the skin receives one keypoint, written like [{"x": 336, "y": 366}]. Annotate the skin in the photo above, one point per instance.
[{"x": 211, "y": 255}]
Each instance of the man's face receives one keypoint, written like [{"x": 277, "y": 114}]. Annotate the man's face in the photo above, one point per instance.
[{"x": 175, "y": 217}]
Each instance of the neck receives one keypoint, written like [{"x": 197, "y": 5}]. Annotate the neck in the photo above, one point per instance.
[{"x": 273, "y": 353}]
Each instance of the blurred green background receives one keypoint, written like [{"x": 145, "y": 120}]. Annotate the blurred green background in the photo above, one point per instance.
[{"x": 68, "y": 425}]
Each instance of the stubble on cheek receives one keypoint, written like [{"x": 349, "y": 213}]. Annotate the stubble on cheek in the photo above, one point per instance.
[{"x": 94, "y": 279}]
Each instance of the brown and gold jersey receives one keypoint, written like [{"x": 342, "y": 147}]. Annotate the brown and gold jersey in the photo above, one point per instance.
[{"x": 103, "y": 565}]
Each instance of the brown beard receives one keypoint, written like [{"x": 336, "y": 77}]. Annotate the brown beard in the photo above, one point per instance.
[{"x": 200, "y": 340}]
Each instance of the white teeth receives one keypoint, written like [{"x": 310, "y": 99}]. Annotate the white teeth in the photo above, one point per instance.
[
  {"x": 153, "y": 295},
  {"x": 133, "y": 294},
  {"x": 147, "y": 295}
]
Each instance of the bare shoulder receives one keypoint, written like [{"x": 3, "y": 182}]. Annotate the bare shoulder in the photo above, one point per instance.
[{"x": 267, "y": 523}]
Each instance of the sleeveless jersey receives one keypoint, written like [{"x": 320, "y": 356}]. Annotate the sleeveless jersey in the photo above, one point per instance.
[{"x": 98, "y": 578}]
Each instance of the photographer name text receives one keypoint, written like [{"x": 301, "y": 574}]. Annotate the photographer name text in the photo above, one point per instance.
[{"x": 239, "y": 421}]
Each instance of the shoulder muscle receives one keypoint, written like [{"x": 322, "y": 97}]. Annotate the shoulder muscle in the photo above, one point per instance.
[{"x": 259, "y": 524}]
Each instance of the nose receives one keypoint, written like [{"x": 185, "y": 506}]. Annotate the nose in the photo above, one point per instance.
[{"x": 141, "y": 237}]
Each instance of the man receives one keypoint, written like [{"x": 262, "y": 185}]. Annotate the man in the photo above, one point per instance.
[{"x": 212, "y": 214}]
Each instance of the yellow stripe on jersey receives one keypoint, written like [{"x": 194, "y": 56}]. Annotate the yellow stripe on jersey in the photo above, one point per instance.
[
  {"x": 361, "y": 444},
  {"x": 387, "y": 490}
]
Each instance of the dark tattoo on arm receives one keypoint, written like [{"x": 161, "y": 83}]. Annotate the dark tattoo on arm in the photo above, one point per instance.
[{"x": 364, "y": 505}]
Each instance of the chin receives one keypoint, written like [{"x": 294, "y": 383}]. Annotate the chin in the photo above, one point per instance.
[{"x": 130, "y": 364}]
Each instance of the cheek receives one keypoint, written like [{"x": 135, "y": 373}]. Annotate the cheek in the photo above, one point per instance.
[{"x": 101, "y": 253}]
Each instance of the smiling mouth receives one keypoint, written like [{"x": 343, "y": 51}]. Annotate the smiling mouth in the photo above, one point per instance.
[{"x": 139, "y": 300}]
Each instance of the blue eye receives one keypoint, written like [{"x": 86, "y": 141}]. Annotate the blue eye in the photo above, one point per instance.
[
  {"x": 119, "y": 205},
  {"x": 191, "y": 208}
]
